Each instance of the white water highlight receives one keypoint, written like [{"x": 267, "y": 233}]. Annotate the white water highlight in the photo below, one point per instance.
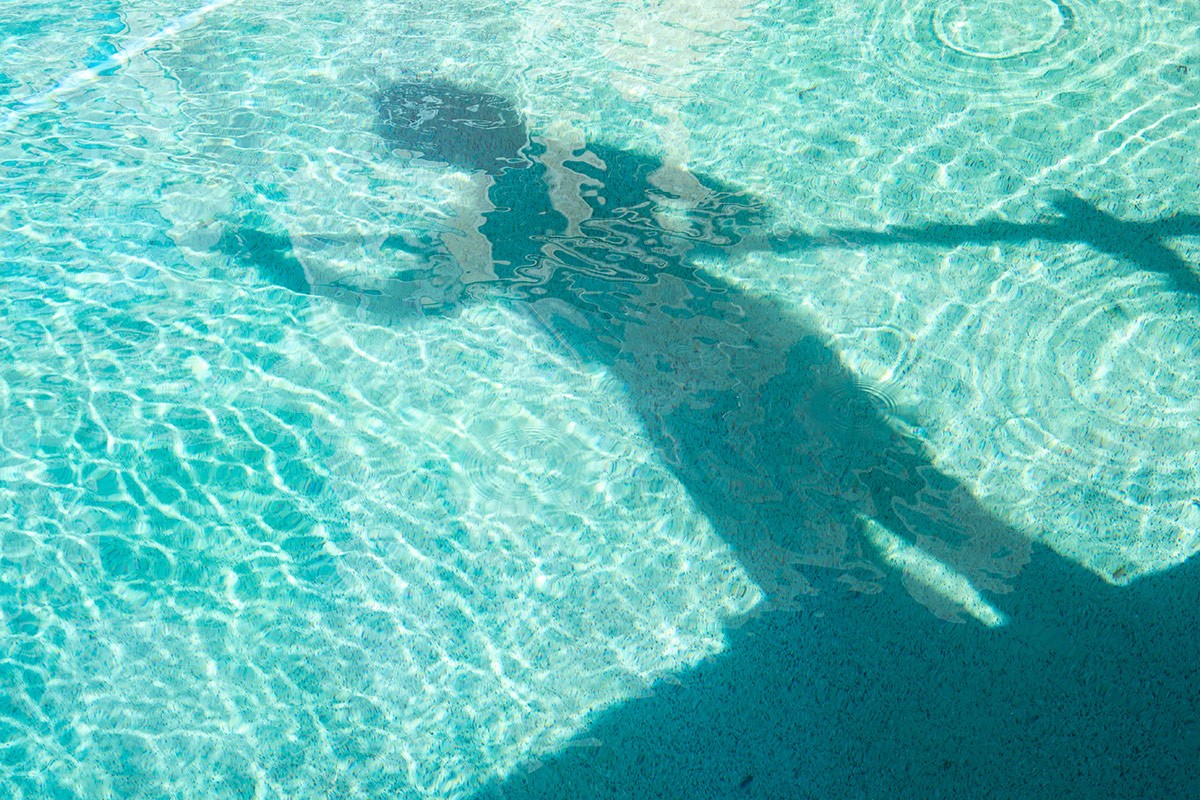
[{"x": 47, "y": 99}]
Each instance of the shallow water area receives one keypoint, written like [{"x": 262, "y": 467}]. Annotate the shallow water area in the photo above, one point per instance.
[{"x": 813, "y": 366}]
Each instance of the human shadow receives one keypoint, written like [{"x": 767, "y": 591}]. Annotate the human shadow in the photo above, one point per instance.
[
  {"x": 1138, "y": 243},
  {"x": 791, "y": 456},
  {"x": 837, "y": 692}
]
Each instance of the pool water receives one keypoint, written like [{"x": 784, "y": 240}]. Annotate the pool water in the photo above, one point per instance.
[{"x": 599, "y": 399}]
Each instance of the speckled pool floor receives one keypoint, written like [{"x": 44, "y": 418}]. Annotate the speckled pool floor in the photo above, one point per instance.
[{"x": 599, "y": 400}]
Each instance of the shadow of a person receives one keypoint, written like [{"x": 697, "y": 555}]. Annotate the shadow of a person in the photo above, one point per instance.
[
  {"x": 1137, "y": 243},
  {"x": 775, "y": 440}
]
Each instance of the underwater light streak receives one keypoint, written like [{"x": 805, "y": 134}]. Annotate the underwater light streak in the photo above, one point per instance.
[
  {"x": 46, "y": 99},
  {"x": 930, "y": 572}
]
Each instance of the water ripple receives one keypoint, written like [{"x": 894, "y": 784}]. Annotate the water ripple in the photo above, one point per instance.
[
  {"x": 855, "y": 406},
  {"x": 518, "y": 458},
  {"x": 1023, "y": 48},
  {"x": 1117, "y": 397}
]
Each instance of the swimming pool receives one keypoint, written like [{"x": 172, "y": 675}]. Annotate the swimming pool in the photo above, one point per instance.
[{"x": 575, "y": 399}]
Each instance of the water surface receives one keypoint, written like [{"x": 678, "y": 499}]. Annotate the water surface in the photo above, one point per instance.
[{"x": 798, "y": 401}]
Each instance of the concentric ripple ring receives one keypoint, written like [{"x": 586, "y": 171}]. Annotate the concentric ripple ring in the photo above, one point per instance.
[
  {"x": 1020, "y": 50},
  {"x": 1001, "y": 29}
]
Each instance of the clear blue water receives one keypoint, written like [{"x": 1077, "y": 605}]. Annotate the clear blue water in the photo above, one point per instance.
[{"x": 599, "y": 400}]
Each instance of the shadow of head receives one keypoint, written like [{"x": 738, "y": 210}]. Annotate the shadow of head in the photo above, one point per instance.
[{"x": 443, "y": 124}]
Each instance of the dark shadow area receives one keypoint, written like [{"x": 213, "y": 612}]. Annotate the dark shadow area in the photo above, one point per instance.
[
  {"x": 1090, "y": 692},
  {"x": 790, "y": 456}
]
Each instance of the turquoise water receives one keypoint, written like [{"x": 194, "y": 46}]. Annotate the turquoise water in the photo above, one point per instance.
[{"x": 808, "y": 409}]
